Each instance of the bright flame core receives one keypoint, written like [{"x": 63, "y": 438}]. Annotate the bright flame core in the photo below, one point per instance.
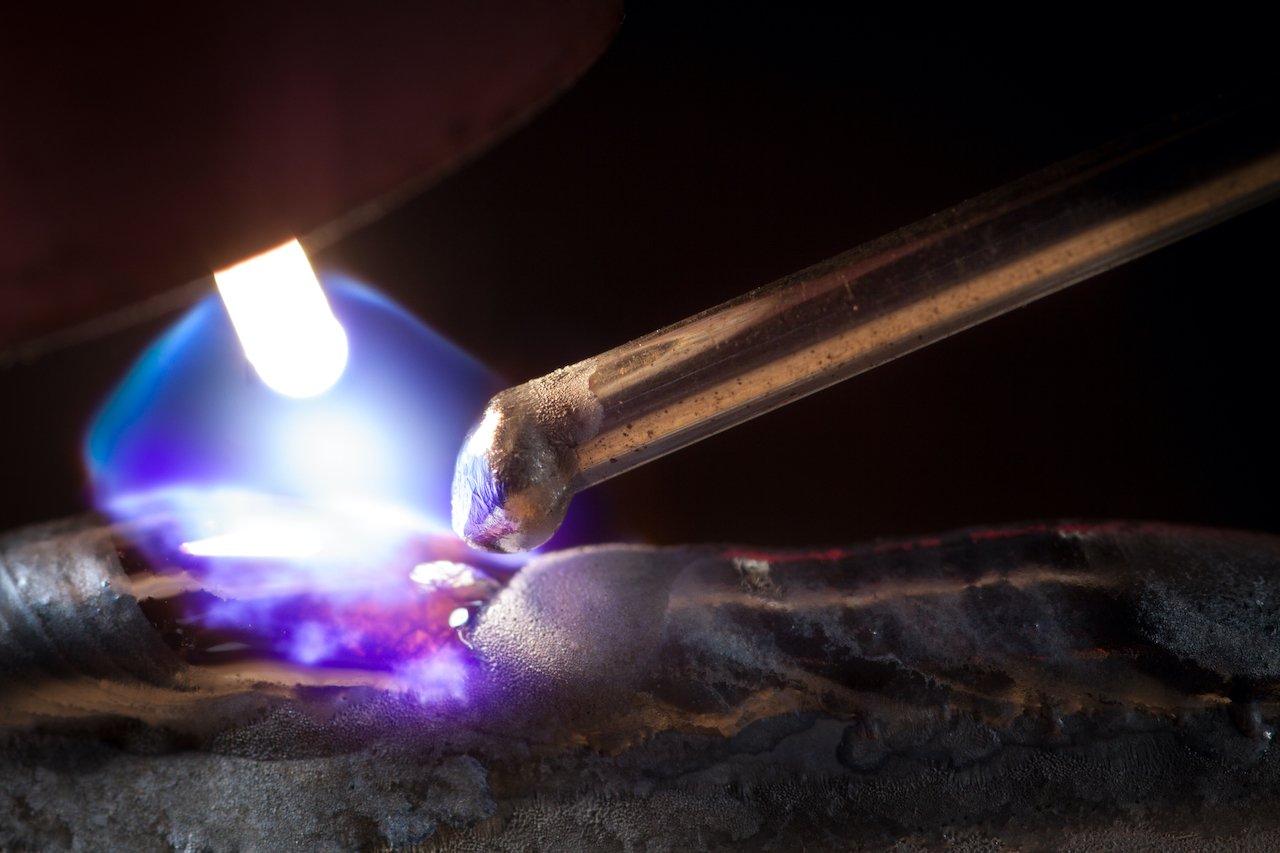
[
  {"x": 284, "y": 322},
  {"x": 291, "y": 527}
]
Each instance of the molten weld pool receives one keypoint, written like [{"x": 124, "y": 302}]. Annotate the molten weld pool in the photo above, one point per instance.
[{"x": 313, "y": 530}]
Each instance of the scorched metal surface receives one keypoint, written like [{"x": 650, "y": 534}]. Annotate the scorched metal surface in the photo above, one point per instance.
[{"x": 1045, "y": 687}]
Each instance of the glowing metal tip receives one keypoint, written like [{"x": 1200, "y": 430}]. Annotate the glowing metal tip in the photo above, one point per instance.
[
  {"x": 512, "y": 482},
  {"x": 284, "y": 322}
]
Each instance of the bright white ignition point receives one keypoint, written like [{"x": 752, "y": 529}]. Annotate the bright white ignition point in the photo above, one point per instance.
[
  {"x": 283, "y": 320},
  {"x": 281, "y": 542},
  {"x": 442, "y": 574}
]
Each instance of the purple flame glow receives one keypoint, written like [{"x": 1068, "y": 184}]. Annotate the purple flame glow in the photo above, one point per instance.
[{"x": 301, "y": 520}]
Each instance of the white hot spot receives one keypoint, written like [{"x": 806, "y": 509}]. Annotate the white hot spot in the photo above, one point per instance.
[
  {"x": 272, "y": 541},
  {"x": 470, "y": 460},
  {"x": 283, "y": 321},
  {"x": 459, "y": 617},
  {"x": 439, "y": 573}
]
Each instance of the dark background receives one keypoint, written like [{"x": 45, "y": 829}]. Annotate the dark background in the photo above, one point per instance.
[{"x": 717, "y": 146}]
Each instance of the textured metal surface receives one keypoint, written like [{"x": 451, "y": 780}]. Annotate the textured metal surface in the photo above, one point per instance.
[{"x": 1063, "y": 687}]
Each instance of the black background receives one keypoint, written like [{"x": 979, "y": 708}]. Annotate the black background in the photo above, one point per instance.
[{"x": 720, "y": 145}]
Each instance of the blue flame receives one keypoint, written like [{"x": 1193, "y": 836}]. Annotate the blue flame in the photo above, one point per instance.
[
  {"x": 300, "y": 516},
  {"x": 191, "y": 419}
]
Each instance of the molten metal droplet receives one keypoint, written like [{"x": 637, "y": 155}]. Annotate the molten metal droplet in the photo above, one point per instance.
[
  {"x": 283, "y": 320},
  {"x": 514, "y": 475}
]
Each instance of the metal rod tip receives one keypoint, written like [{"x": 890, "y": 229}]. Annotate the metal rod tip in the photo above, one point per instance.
[{"x": 510, "y": 486}]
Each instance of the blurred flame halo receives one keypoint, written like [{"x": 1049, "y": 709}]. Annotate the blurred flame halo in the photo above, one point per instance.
[
  {"x": 324, "y": 121},
  {"x": 191, "y": 423},
  {"x": 298, "y": 521}
]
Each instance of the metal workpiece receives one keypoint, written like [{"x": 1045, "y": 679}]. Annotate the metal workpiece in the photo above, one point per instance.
[
  {"x": 541, "y": 442},
  {"x": 1066, "y": 686},
  {"x": 66, "y": 612}
]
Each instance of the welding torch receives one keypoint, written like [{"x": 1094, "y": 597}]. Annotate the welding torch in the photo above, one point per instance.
[{"x": 539, "y": 443}]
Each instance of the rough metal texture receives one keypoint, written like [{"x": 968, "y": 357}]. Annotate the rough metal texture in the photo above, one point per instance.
[
  {"x": 60, "y": 616},
  {"x": 1084, "y": 688}
]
